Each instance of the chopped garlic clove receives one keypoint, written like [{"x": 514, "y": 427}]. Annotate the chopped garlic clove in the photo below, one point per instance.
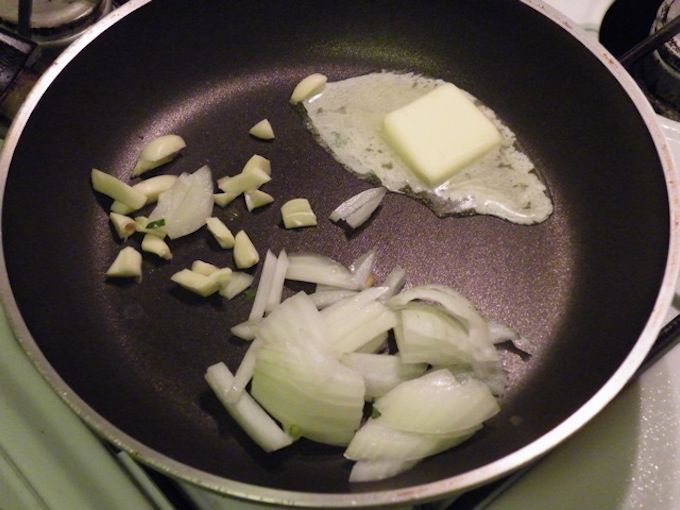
[
  {"x": 117, "y": 189},
  {"x": 152, "y": 188},
  {"x": 143, "y": 225},
  {"x": 239, "y": 183},
  {"x": 204, "y": 268},
  {"x": 257, "y": 161},
  {"x": 221, "y": 276},
  {"x": 245, "y": 253},
  {"x": 120, "y": 208},
  {"x": 237, "y": 283},
  {"x": 220, "y": 232},
  {"x": 124, "y": 225},
  {"x": 308, "y": 87},
  {"x": 128, "y": 264},
  {"x": 262, "y": 130},
  {"x": 256, "y": 198},
  {"x": 224, "y": 199},
  {"x": 195, "y": 282},
  {"x": 154, "y": 244},
  {"x": 157, "y": 152},
  {"x": 298, "y": 213}
]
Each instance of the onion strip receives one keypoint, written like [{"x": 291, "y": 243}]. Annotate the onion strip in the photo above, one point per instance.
[
  {"x": 247, "y": 412},
  {"x": 357, "y": 209}
]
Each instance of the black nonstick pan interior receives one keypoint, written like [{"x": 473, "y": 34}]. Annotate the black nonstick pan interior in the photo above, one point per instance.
[{"x": 581, "y": 285}]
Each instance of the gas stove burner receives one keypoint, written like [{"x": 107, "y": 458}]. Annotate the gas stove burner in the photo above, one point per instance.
[
  {"x": 628, "y": 22},
  {"x": 55, "y": 22},
  {"x": 660, "y": 72}
]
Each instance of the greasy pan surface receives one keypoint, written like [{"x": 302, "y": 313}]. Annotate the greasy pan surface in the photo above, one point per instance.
[{"x": 582, "y": 285}]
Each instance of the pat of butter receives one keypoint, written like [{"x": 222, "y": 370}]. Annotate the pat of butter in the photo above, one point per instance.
[{"x": 440, "y": 133}]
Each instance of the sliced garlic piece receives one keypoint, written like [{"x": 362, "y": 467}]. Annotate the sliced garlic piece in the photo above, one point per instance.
[
  {"x": 256, "y": 198},
  {"x": 224, "y": 199},
  {"x": 239, "y": 183},
  {"x": 117, "y": 189},
  {"x": 128, "y": 264},
  {"x": 204, "y": 268},
  {"x": 195, "y": 282},
  {"x": 257, "y": 161},
  {"x": 262, "y": 130},
  {"x": 237, "y": 283},
  {"x": 308, "y": 87},
  {"x": 143, "y": 225},
  {"x": 124, "y": 225},
  {"x": 245, "y": 253},
  {"x": 152, "y": 188},
  {"x": 220, "y": 232},
  {"x": 157, "y": 152},
  {"x": 298, "y": 213},
  {"x": 154, "y": 244}
]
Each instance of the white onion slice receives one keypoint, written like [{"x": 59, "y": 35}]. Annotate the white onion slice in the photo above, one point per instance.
[
  {"x": 312, "y": 268},
  {"x": 244, "y": 373},
  {"x": 246, "y": 330},
  {"x": 354, "y": 321},
  {"x": 502, "y": 333},
  {"x": 375, "y": 345},
  {"x": 437, "y": 403},
  {"x": 263, "y": 287},
  {"x": 394, "y": 282},
  {"x": 298, "y": 379},
  {"x": 382, "y": 372},
  {"x": 356, "y": 210},
  {"x": 246, "y": 412},
  {"x": 325, "y": 298},
  {"x": 377, "y": 441},
  {"x": 459, "y": 308},
  {"x": 187, "y": 205},
  {"x": 374, "y": 470},
  {"x": 426, "y": 333},
  {"x": 277, "y": 281},
  {"x": 362, "y": 269}
]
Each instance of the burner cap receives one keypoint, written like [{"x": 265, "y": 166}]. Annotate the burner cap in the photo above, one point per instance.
[
  {"x": 56, "y": 21},
  {"x": 660, "y": 72}
]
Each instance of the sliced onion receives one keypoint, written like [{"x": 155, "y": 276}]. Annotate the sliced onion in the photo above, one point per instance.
[
  {"x": 326, "y": 298},
  {"x": 382, "y": 372},
  {"x": 427, "y": 333},
  {"x": 362, "y": 269},
  {"x": 460, "y": 309},
  {"x": 437, "y": 403},
  {"x": 278, "y": 278},
  {"x": 246, "y": 412},
  {"x": 394, "y": 282},
  {"x": 356, "y": 210},
  {"x": 373, "y": 470},
  {"x": 299, "y": 381},
  {"x": 377, "y": 441},
  {"x": 246, "y": 330},
  {"x": 356, "y": 320},
  {"x": 263, "y": 287},
  {"x": 311, "y": 268},
  {"x": 501, "y": 333},
  {"x": 244, "y": 373},
  {"x": 375, "y": 345},
  {"x": 187, "y": 205}
]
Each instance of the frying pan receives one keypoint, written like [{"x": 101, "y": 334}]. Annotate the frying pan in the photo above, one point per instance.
[{"x": 589, "y": 286}]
